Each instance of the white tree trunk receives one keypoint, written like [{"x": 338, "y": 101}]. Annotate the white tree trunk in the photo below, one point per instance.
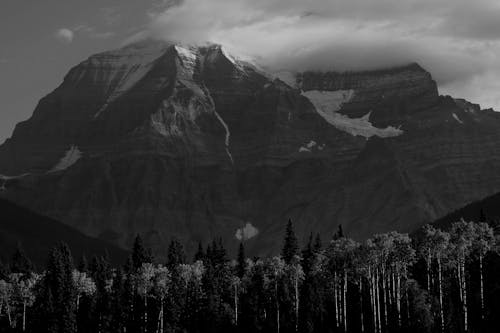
[
  {"x": 384, "y": 303},
  {"x": 11, "y": 324},
  {"x": 377, "y": 295},
  {"x": 398, "y": 297},
  {"x": 440, "y": 282},
  {"x": 372, "y": 298},
  {"x": 277, "y": 306},
  {"x": 335, "y": 299},
  {"x": 24, "y": 315},
  {"x": 464, "y": 288},
  {"x": 481, "y": 284},
  {"x": 160, "y": 317},
  {"x": 296, "y": 301},
  {"x": 236, "y": 304},
  {"x": 345, "y": 300},
  {"x": 145, "y": 313},
  {"x": 360, "y": 288},
  {"x": 428, "y": 262}
]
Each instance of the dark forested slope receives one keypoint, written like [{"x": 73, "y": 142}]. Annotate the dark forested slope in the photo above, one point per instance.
[{"x": 37, "y": 234}]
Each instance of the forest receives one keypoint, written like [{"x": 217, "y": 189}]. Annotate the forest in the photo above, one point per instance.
[{"x": 432, "y": 281}]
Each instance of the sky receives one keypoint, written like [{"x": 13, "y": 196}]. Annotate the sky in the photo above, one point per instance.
[{"x": 458, "y": 41}]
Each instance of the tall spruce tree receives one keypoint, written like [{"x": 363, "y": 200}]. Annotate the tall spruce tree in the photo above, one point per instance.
[
  {"x": 4, "y": 270},
  {"x": 318, "y": 245},
  {"x": 291, "y": 244},
  {"x": 200, "y": 253},
  {"x": 59, "y": 292},
  {"x": 20, "y": 262},
  {"x": 175, "y": 254},
  {"x": 140, "y": 254},
  {"x": 83, "y": 265},
  {"x": 339, "y": 234},
  {"x": 241, "y": 261}
]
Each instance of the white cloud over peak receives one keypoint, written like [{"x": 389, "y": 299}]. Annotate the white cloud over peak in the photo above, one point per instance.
[
  {"x": 458, "y": 41},
  {"x": 65, "y": 35}
]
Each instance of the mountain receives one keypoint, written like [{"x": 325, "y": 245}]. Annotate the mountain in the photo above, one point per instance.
[
  {"x": 171, "y": 140},
  {"x": 485, "y": 210},
  {"x": 38, "y": 234}
]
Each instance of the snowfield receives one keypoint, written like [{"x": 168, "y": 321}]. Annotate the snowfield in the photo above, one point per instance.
[
  {"x": 73, "y": 154},
  {"x": 327, "y": 103},
  {"x": 457, "y": 119}
]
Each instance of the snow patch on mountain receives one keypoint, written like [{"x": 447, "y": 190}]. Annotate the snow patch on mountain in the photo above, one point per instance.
[
  {"x": 228, "y": 55},
  {"x": 310, "y": 146},
  {"x": 247, "y": 232},
  {"x": 72, "y": 155},
  {"x": 185, "y": 54},
  {"x": 327, "y": 103},
  {"x": 457, "y": 119}
]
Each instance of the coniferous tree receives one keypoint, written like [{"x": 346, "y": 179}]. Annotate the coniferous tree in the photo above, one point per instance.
[
  {"x": 318, "y": 245},
  {"x": 308, "y": 255},
  {"x": 58, "y": 293},
  {"x": 241, "y": 261},
  {"x": 83, "y": 265},
  {"x": 200, "y": 253},
  {"x": 20, "y": 262},
  {"x": 140, "y": 254},
  {"x": 291, "y": 244},
  {"x": 175, "y": 254},
  {"x": 4, "y": 271},
  {"x": 339, "y": 233}
]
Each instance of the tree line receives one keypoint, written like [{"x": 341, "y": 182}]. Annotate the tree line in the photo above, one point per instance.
[{"x": 435, "y": 281}]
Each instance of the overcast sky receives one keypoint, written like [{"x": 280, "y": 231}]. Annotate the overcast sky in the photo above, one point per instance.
[{"x": 458, "y": 41}]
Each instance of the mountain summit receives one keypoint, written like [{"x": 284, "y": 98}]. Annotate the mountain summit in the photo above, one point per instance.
[{"x": 170, "y": 140}]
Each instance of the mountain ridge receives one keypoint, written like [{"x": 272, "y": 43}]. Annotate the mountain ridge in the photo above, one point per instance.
[{"x": 206, "y": 145}]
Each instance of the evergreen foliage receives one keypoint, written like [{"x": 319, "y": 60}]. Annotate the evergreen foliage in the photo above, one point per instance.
[
  {"x": 290, "y": 245},
  {"x": 439, "y": 281}
]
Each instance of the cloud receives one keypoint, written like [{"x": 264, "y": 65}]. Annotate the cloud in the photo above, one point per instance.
[
  {"x": 110, "y": 15},
  {"x": 92, "y": 32},
  {"x": 458, "y": 41},
  {"x": 65, "y": 35},
  {"x": 247, "y": 232}
]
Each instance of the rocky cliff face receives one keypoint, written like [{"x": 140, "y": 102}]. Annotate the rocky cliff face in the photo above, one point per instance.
[{"x": 171, "y": 140}]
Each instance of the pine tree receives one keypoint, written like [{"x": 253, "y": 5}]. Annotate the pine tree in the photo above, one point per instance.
[
  {"x": 83, "y": 265},
  {"x": 308, "y": 255},
  {"x": 59, "y": 292},
  {"x": 175, "y": 254},
  {"x": 20, "y": 262},
  {"x": 4, "y": 270},
  {"x": 200, "y": 253},
  {"x": 318, "y": 245},
  {"x": 482, "y": 216},
  {"x": 339, "y": 234},
  {"x": 140, "y": 254},
  {"x": 241, "y": 262},
  {"x": 291, "y": 245}
]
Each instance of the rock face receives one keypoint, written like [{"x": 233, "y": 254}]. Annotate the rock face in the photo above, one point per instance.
[{"x": 174, "y": 140}]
